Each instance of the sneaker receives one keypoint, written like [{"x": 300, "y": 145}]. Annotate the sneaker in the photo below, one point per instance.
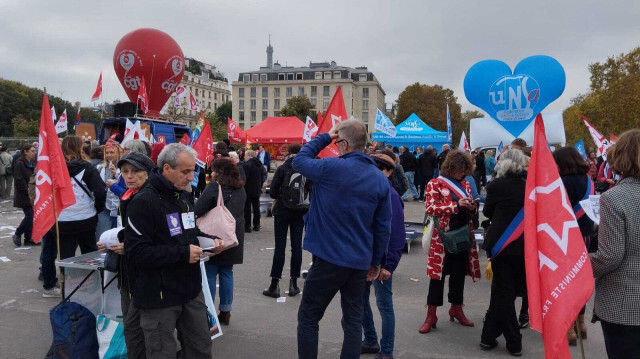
[
  {"x": 52, "y": 293},
  {"x": 17, "y": 240},
  {"x": 369, "y": 348},
  {"x": 523, "y": 321}
]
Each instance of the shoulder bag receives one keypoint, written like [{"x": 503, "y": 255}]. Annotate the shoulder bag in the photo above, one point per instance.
[
  {"x": 219, "y": 222},
  {"x": 455, "y": 241}
]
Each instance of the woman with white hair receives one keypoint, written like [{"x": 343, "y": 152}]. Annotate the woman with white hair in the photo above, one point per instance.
[{"x": 505, "y": 200}]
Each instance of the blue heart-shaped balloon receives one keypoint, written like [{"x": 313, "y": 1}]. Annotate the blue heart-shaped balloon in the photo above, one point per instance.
[{"x": 514, "y": 98}]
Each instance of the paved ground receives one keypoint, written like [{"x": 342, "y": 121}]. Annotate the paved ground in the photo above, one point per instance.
[{"x": 261, "y": 327}]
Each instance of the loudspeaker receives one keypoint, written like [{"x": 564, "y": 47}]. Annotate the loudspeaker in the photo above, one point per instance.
[{"x": 125, "y": 109}]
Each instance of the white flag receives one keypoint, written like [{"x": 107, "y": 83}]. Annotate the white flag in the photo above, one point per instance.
[
  {"x": 384, "y": 124},
  {"x": 464, "y": 145},
  {"x": 53, "y": 114},
  {"x": 164, "y": 108},
  {"x": 601, "y": 142},
  {"x": 61, "y": 126},
  {"x": 310, "y": 129},
  {"x": 180, "y": 92}
]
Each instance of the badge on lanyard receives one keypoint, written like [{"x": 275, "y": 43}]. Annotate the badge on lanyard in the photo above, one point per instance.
[
  {"x": 173, "y": 221},
  {"x": 188, "y": 220}
]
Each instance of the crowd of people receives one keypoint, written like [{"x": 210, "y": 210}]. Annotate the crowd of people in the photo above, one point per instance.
[{"x": 146, "y": 197}]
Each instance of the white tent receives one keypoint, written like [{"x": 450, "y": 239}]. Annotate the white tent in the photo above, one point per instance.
[{"x": 486, "y": 131}]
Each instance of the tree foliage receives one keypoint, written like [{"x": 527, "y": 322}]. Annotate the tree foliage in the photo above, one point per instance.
[
  {"x": 612, "y": 104},
  {"x": 223, "y": 112},
  {"x": 299, "y": 106},
  {"x": 218, "y": 127},
  {"x": 430, "y": 104}
]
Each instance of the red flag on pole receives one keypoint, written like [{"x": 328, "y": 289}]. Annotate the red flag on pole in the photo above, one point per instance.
[
  {"x": 185, "y": 140},
  {"x": 598, "y": 138},
  {"x": 52, "y": 177},
  {"x": 235, "y": 133},
  {"x": 78, "y": 119},
  {"x": 203, "y": 144},
  {"x": 336, "y": 113},
  {"x": 98, "y": 93},
  {"x": 559, "y": 275},
  {"x": 143, "y": 97}
]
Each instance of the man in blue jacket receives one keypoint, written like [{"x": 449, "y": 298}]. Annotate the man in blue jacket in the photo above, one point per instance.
[{"x": 347, "y": 231}]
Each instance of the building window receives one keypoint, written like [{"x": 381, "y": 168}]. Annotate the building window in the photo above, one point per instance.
[
  {"x": 196, "y": 92},
  {"x": 281, "y": 77},
  {"x": 336, "y": 75},
  {"x": 325, "y": 103},
  {"x": 240, "y": 93},
  {"x": 366, "y": 125},
  {"x": 253, "y": 104},
  {"x": 208, "y": 104},
  {"x": 300, "y": 90},
  {"x": 276, "y": 92},
  {"x": 265, "y": 92},
  {"x": 241, "y": 114},
  {"x": 289, "y": 91},
  {"x": 276, "y": 104},
  {"x": 299, "y": 76},
  {"x": 265, "y": 114},
  {"x": 318, "y": 75},
  {"x": 265, "y": 104},
  {"x": 209, "y": 94},
  {"x": 253, "y": 92},
  {"x": 215, "y": 95},
  {"x": 365, "y": 117},
  {"x": 254, "y": 78},
  {"x": 362, "y": 77},
  {"x": 246, "y": 77},
  {"x": 327, "y": 75},
  {"x": 240, "y": 104},
  {"x": 365, "y": 104},
  {"x": 276, "y": 113},
  {"x": 290, "y": 77},
  {"x": 325, "y": 91},
  {"x": 253, "y": 116},
  {"x": 263, "y": 77},
  {"x": 314, "y": 102},
  {"x": 314, "y": 91},
  {"x": 215, "y": 106},
  {"x": 365, "y": 92}
]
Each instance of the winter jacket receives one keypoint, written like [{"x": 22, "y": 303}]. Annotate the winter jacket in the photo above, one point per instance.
[
  {"x": 576, "y": 186},
  {"x": 265, "y": 158},
  {"x": 427, "y": 163},
  {"x": 489, "y": 165},
  {"x": 6, "y": 160},
  {"x": 275, "y": 191},
  {"x": 87, "y": 179},
  {"x": 398, "y": 236},
  {"x": 400, "y": 181},
  {"x": 408, "y": 162},
  {"x": 253, "y": 172},
  {"x": 441, "y": 157},
  {"x": 349, "y": 220},
  {"x": 234, "y": 199},
  {"x": 480, "y": 167},
  {"x": 22, "y": 171},
  {"x": 113, "y": 200},
  {"x": 156, "y": 243}
]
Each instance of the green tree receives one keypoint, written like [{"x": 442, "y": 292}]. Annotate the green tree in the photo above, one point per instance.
[
  {"x": 299, "y": 106},
  {"x": 218, "y": 128},
  {"x": 23, "y": 127},
  {"x": 430, "y": 104},
  {"x": 223, "y": 112}
]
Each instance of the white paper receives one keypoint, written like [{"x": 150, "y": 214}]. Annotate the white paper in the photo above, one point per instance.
[
  {"x": 281, "y": 299},
  {"x": 5, "y": 259},
  {"x": 591, "y": 208},
  {"x": 110, "y": 237},
  {"x": 206, "y": 243}
]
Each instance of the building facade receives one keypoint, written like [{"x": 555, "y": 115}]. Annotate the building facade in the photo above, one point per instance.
[
  {"x": 209, "y": 87},
  {"x": 261, "y": 94}
]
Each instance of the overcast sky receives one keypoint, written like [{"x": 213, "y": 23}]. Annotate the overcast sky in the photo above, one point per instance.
[{"x": 64, "y": 45}]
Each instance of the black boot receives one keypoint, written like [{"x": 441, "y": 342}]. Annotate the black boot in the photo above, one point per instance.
[
  {"x": 293, "y": 287},
  {"x": 274, "y": 289}
]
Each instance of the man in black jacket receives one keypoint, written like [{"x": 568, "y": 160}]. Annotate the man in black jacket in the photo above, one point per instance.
[
  {"x": 426, "y": 164},
  {"x": 408, "y": 163},
  {"x": 161, "y": 245},
  {"x": 253, "y": 188}
]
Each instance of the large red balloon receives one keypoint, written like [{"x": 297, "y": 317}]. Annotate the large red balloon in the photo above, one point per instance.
[{"x": 154, "y": 55}]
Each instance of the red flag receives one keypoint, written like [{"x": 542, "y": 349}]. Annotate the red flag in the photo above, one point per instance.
[
  {"x": 185, "y": 140},
  {"x": 51, "y": 175},
  {"x": 559, "y": 275},
  {"x": 98, "y": 93},
  {"x": 336, "y": 113},
  {"x": 143, "y": 97},
  {"x": 235, "y": 133},
  {"x": 203, "y": 144},
  {"x": 601, "y": 142},
  {"x": 78, "y": 119},
  {"x": 613, "y": 138}
]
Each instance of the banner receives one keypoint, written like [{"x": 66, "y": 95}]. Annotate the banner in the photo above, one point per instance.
[
  {"x": 558, "y": 269},
  {"x": 310, "y": 130},
  {"x": 51, "y": 177},
  {"x": 384, "y": 124}
]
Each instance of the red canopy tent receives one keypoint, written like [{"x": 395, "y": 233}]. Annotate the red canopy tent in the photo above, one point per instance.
[{"x": 276, "y": 133}]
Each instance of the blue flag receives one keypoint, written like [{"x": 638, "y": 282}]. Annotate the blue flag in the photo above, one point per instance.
[
  {"x": 580, "y": 147},
  {"x": 449, "y": 132},
  {"x": 384, "y": 124},
  {"x": 499, "y": 150}
]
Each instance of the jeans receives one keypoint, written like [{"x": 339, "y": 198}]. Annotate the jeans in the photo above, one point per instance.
[
  {"x": 282, "y": 221},
  {"x": 412, "y": 186},
  {"x": 323, "y": 282},
  {"x": 621, "y": 341},
  {"x": 105, "y": 223},
  {"x": 48, "y": 260},
  {"x": 26, "y": 226},
  {"x": 455, "y": 265},
  {"x": 255, "y": 203},
  {"x": 226, "y": 284},
  {"x": 384, "y": 302}
]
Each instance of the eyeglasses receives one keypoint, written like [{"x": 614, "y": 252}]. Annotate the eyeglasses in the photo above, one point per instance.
[{"x": 342, "y": 140}]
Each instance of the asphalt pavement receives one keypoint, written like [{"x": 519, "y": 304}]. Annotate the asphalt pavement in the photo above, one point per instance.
[{"x": 260, "y": 326}]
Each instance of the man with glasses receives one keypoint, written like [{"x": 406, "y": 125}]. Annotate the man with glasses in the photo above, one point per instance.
[{"x": 347, "y": 231}]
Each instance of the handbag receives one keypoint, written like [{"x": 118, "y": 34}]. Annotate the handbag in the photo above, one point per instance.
[
  {"x": 455, "y": 241},
  {"x": 219, "y": 222},
  {"x": 110, "y": 338},
  {"x": 427, "y": 233}
]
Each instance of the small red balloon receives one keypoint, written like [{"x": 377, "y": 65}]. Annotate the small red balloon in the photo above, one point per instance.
[{"x": 154, "y": 55}]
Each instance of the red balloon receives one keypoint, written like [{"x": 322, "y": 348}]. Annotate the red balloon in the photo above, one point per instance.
[{"x": 154, "y": 55}]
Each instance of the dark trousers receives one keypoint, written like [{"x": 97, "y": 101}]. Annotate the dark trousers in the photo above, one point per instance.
[
  {"x": 78, "y": 233},
  {"x": 455, "y": 265},
  {"x": 133, "y": 334},
  {"x": 255, "y": 203},
  {"x": 48, "y": 259},
  {"x": 323, "y": 281},
  {"x": 621, "y": 341},
  {"x": 282, "y": 221},
  {"x": 508, "y": 277},
  {"x": 26, "y": 225},
  {"x": 422, "y": 183}
]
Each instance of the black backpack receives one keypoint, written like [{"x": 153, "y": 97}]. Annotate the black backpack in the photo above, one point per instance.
[
  {"x": 296, "y": 191},
  {"x": 74, "y": 332}
]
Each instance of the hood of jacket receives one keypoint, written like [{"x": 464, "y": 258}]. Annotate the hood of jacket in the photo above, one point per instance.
[{"x": 76, "y": 166}]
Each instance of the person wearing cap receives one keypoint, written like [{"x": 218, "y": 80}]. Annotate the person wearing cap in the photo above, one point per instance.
[
  {"x": 134, "y": 168},
  {"x": 383, "y": 285}
]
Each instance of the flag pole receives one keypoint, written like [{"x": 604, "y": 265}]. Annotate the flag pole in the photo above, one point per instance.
[
  {"x": 55, "y": 216},
  {"x": 579, "y": 332}
]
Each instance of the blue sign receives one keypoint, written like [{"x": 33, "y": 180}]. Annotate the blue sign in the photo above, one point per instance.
[
  {"x": 580, "y": 147},
  {"x": 449, "y": 132},
  {"x": 514, "y": 98}
]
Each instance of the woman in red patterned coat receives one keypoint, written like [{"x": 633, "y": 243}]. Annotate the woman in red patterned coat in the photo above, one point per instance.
[{"x": 448, "y": 198}]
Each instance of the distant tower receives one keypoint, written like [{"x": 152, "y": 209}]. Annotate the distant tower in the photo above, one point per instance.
[{"x": 269, "y": 54}]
